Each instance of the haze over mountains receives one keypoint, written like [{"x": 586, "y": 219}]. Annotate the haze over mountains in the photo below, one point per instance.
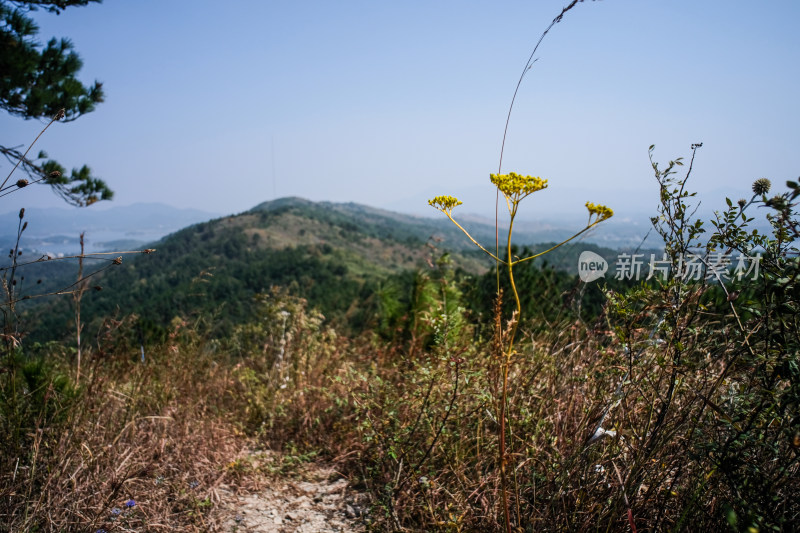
[
  {"x": 107, "y": 226},
  {"x": 111, "y": 227},
  {"x": 554, "y": 213},
  {"x": 341, "y": 257},
  {"x": 549, "y": 218}
]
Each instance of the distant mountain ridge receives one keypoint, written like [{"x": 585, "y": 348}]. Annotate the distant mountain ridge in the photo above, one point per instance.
[
  {"x": 611, "y": 234},
  {"x": 337, "y": 256},
  {"x": 57, "y": 230}
]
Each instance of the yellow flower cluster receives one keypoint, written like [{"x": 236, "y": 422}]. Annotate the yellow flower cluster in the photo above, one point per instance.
[
  {"x": 516, "y": 185},
  {"x": 444, "y": 203},
  {"x": 601, "y": 211}
]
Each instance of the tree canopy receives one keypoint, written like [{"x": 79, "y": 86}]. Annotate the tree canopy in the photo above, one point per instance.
[{"x": 40, "y": 82}]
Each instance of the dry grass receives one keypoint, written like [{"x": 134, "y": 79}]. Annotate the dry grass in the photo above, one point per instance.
[
  {"x": 414, "y": 426},
  {"x": 155, "y": 434}
]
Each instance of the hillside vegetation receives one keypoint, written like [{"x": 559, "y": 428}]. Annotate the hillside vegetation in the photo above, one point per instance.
[
  {"x": 334, "y": 333},
  {"x": 347, "y": 261}
]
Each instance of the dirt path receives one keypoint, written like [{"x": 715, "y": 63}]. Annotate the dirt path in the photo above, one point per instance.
[{"x": 313, "y": 500}]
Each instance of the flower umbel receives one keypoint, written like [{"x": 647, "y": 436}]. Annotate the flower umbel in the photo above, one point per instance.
[
  {"x": 602, "y": 212},
  {"x": 444, "y": 204},
  {"x": 516, "y": 186}
]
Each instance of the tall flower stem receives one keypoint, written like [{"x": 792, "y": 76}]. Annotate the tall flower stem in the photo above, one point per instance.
[{"x": 515, "y": 188}]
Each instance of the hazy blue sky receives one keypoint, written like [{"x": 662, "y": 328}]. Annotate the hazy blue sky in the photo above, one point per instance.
[{"x": 388, "y": 103}]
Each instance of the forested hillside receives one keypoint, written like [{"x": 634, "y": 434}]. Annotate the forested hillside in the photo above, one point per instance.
[{"x": 357, "y": 265}]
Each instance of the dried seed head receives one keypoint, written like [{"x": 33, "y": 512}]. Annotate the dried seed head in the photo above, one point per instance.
[
  {"x": 118, "y": 260},
  {"x": 777, "y": 202},
  {"x": 22, "y": 183},
  {"x": 60, "y": 114},
  {"x": 742, "y": 202},
  {"x": 21, "y": 213},
  {"x": 761, "y": 186}
]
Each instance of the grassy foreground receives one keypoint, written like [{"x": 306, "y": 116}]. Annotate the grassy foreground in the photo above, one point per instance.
[{"x": 676, "y": 410}]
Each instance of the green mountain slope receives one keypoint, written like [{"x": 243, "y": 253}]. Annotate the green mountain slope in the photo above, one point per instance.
[{"x": 334, "y": 255}]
